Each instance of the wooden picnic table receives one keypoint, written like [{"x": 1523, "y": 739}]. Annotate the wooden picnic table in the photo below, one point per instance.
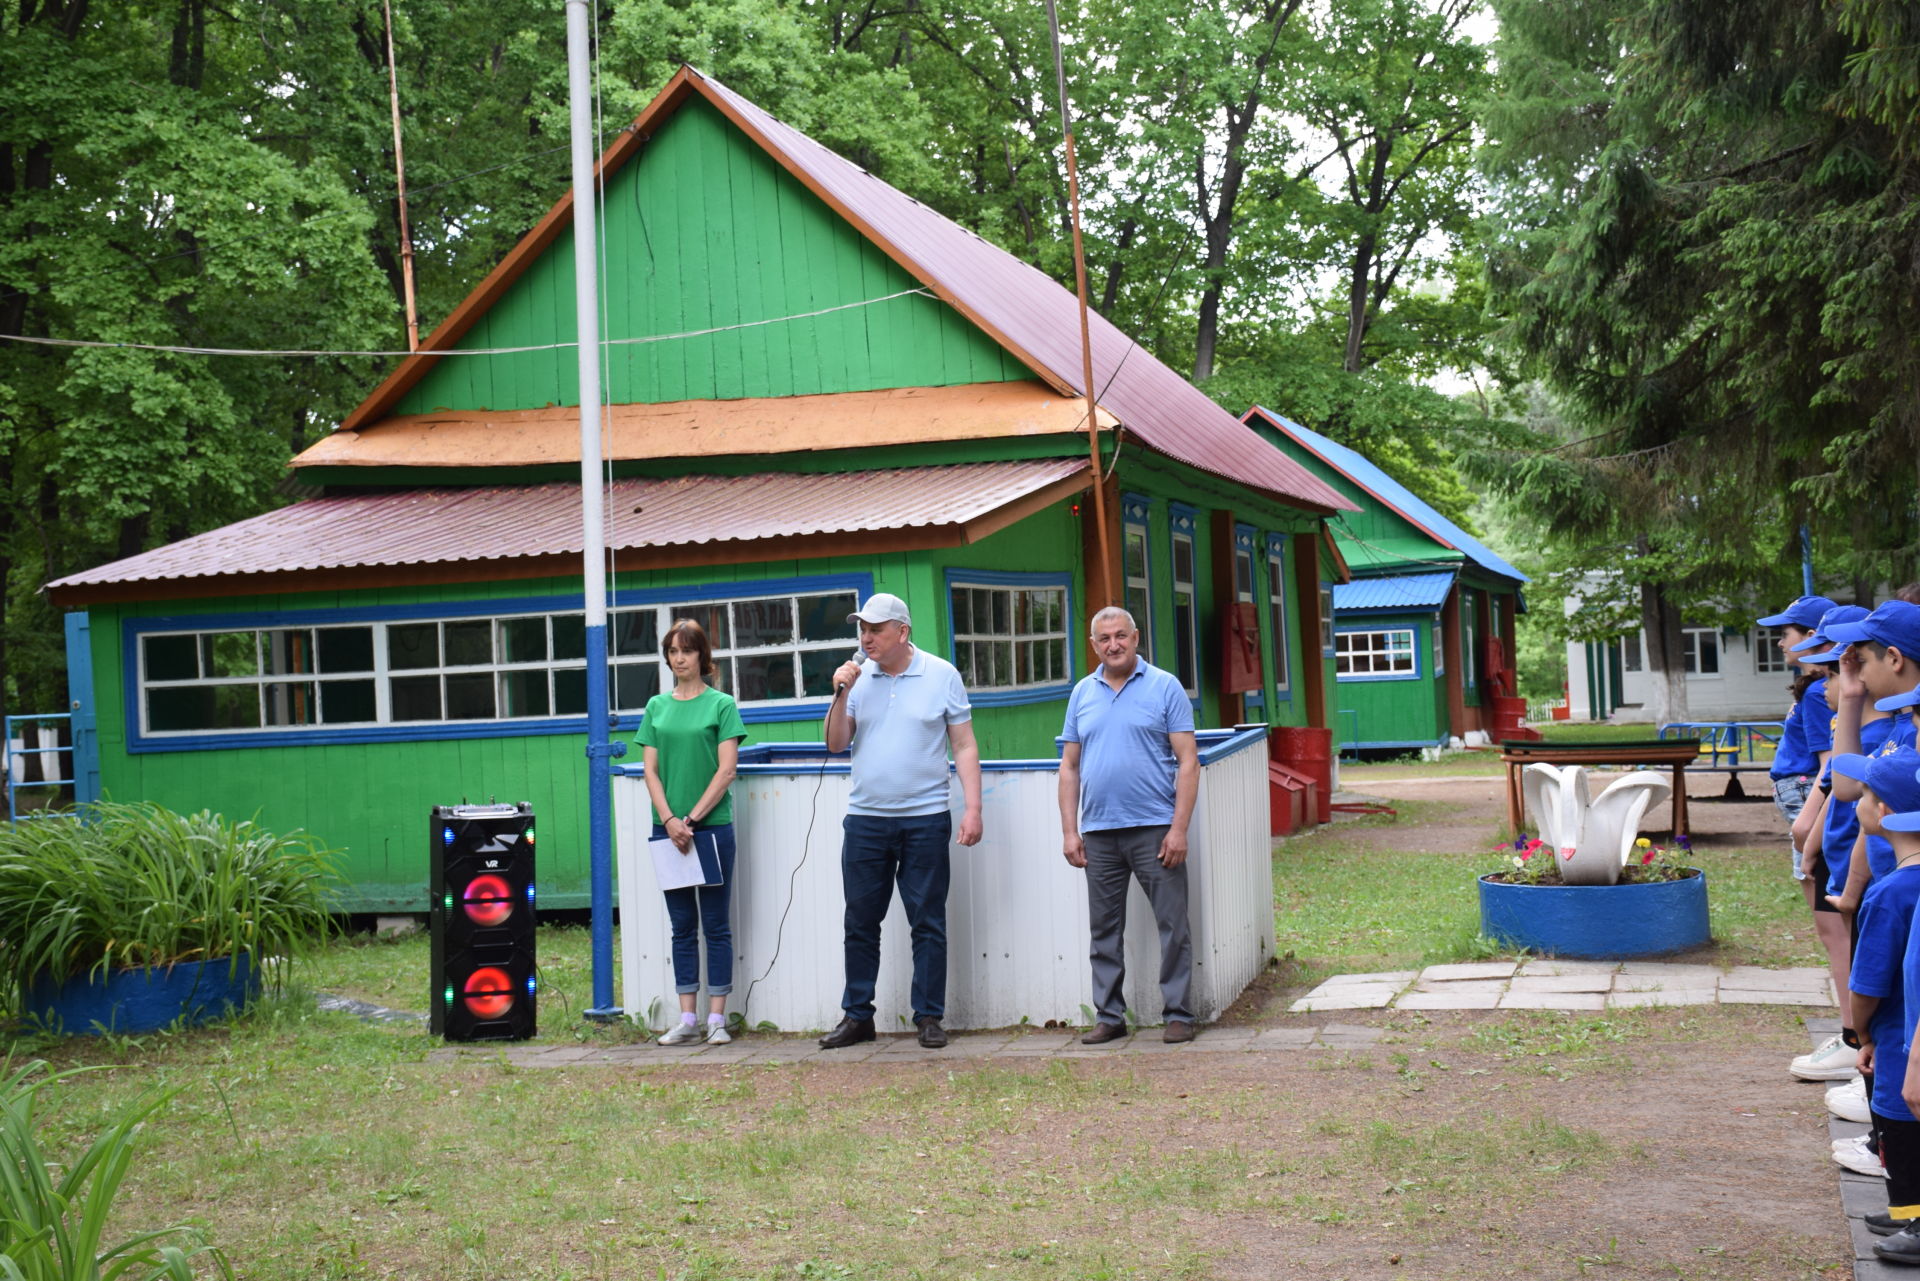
[{"x": 1672, "y": 753}]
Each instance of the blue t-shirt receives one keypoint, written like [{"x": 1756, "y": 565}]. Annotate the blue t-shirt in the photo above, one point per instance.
[
  {"x": 1792, "y": 756},
  {"x": 1842, "y": 824},
  {"x": 1879, "y": 853},
  {"x": 900, "y": 736},
  {"x": 1816, "y": 718},
  {"x": 1884, "y": 967},
  {"x": 1127, "y": 766}
]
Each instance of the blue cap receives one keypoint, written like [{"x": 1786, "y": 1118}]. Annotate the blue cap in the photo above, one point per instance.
[
  {"x": 1895, "y": 624},
  {"x": 1898, "y": 701},
  {"x": 1893, "y": 777},
  {"x": 1838, "y": 614},
  {"x": 1805, "y": 612}
]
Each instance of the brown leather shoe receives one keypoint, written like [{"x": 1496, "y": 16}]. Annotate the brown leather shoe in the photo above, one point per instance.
[
  {"x": 1177, "y": 1031},
  {"x": 850, "y": 1032},
  {"x": 1102, "y": 1033}
]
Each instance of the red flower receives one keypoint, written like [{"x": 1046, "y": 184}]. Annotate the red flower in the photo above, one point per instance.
[{"x": 1649, "y": 857}]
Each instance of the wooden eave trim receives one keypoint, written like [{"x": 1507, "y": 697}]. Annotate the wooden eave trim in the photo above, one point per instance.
[
  {"x": 1339, "y": 562},
  {"x": 1021, "y": 508},
  {"x": 462, "y": 318}
]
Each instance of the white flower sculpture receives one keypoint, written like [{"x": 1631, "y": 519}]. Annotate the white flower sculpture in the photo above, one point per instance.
[{"x": 1589, "y": 840}]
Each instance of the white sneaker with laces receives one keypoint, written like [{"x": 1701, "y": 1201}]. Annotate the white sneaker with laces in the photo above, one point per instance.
[
  {"x": 717, "y": 1034},
  {"x": 1855, "y": 1157},
  {"x": 1835, "y": 1060},
  {"x": 1849, "y": 1101},
  {"x": 681, "y": 1034}
]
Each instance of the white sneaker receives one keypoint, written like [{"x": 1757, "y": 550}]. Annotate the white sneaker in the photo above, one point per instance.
[
  {"x": 1855, "y": 1157},
  {"x": 717, "y": 1034},
  {"x": 1835, "y": 1060},
  {"x": 1849, "y": 1101},
  {"x": 681, "y": 1034}
]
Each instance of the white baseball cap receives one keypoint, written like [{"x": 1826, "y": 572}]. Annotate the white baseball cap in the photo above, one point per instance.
[{"x": 882, "y": 607}]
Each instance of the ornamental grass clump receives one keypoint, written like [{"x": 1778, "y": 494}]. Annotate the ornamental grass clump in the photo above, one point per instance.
[
  {"x": 53, "y": 1214},
  {"x": 139, "y": 886}
]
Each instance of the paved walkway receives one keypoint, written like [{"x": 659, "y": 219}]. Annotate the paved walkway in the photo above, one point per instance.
[{"x": 1566, "y": 985}]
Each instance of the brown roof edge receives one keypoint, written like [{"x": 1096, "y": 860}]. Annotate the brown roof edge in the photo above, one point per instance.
[
  {"x": 413, "y": 368},
  {"x": 1333, "y": 549}
]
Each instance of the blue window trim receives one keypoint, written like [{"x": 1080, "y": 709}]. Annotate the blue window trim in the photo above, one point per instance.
[
  {"x": 1277, "y": 550},
  {"x": 1136, "y": 512},
  {"x": 1063, "y": 579},
  {"x": 1419, "y": 671},
  {"x": 134, "y": 628}
]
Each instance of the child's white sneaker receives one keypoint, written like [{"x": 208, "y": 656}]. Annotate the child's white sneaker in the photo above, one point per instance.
[
  {"x": 681, "y": 1034},
  {"x": 1835, "y": 1060},
  {"x": 1857, "y": 1158},
  {"x": 1849, "y": 1101},
  {"x": 717, "y": 1034}
]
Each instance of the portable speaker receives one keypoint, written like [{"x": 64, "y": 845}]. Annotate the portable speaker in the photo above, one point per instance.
[{"x": 480, "y": 883}]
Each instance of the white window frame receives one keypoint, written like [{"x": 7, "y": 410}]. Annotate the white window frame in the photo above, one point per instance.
[
  {"x": 1186, "y": 618},
  {"x": 1439, "y": 629},
  {"x": 1053, "y": 641},
  {"x": 1695, "y": 642},
  {"x": 1767, "y": 658},
  {"x": 1380, "y": 649},
  {"x": 1632, "y": 653},
  {"x": 1136, "y": 531},
  {"x": 1277, "y": 617}
]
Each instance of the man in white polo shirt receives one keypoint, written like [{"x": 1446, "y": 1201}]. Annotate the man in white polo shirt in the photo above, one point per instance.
[
  {"x": 899, "y": 711},
  {"x": 1129, "y": 776}
]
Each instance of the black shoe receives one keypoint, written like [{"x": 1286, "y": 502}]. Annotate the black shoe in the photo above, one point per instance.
[
  {"x": 1902, "y": 1247},
  {"x": 932, "y": 1035},
  {"x": 1102, "y": 1033},
  {"x": 1884, "y": 1225},
  {"x": 851, "y": 1031},
  {"x": 1177, "y": 1031}
]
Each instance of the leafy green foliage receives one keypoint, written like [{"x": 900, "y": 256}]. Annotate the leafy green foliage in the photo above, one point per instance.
[
  {"x": 53, "y": 1213},
  {"x": 138, "y": 885}
]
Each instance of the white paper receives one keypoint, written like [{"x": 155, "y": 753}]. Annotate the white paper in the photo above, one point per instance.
[{"x": 674, "y": 870}]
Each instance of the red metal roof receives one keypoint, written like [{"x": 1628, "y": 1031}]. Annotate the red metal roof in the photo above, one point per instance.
[
  {"x": 1018, "y": 305},
  {"x": 945, "y": 505}
]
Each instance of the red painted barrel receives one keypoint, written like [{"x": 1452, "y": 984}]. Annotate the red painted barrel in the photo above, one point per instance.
[{"x": 1308, "y": 750}]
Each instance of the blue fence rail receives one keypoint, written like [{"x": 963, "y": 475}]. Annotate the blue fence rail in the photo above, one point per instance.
[
  {"x": 20, "y": 761},
  {"x": 1725, "y": 742}
]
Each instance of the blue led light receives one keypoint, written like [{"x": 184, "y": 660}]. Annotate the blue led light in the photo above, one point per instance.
[
  {"x": 529, "y": 891},
  {"x": 446, "y": 835},
  {"x": 530, "y": 987}
]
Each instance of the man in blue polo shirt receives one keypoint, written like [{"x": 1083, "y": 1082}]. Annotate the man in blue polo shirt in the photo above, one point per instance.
[
  {"x": 1129, "y": 773},
  {"x": 898, "y": 711}
]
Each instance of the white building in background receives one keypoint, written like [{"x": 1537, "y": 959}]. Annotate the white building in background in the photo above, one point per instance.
[{"x": 1731, "y": 675}]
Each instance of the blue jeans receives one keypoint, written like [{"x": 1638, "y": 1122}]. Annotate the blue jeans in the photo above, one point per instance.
[
  {"x": 876, "y": 854},
  {"x": 705, "y": 908}
]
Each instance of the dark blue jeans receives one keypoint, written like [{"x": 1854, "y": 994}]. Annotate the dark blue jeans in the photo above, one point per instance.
[
  {"x": 876, "y": 854},
  {"x": 705, "y": 908}
]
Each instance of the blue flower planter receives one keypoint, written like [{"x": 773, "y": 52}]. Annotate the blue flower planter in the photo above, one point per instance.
[
  {"x": 1597, "y": 922},
  {"x": 129, "y": 1002}
]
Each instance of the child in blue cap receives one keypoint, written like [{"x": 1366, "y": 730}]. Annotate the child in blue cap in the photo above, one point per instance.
[
  {"x": 1883, "y": 974},
  {"x": 1881, "y": 663}
]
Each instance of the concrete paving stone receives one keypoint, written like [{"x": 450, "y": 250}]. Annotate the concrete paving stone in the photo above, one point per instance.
[
  {"x": 564, "y": 1054},
  {"x": 1553, "y": 1001},
  {"x": 1791, "y": 976},
  {"x": 1349, "y": 1034},
  {"x": 1666, "y": 996},
  {"x": 1467, "y": 970},
  {"x": 1382, "y": 976},
  {"x": 1664, "y": 982},
  {"x": 1549, "y": 968},
  {"x": 1285, "y": 1038},
  {"x": 1225, "y": 1038},
  {"x": 1527, "y": 984},
  {"x": 1038, "y": 1042},
  {"x": 1476, "y": 1000},
  {"x": 1819, "y": 1030},
  {"x": 1460, "y": 985},
  {"x": 974, "y": 1047},
  {"x": 1707, "y": 975},
  {"x": 1749, "y": 996},
  {"x": 1370, "y": 996},
  {"x": 1860, "y": 1196}
]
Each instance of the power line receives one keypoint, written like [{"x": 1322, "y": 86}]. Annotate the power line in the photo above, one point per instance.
[{"x": 461, "y": 351}]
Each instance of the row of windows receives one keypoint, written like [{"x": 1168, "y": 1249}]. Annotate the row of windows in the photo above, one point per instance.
[
  {"x": 1184, "y": 661},
  {"x": 767, "y": 651},
  {"x": 1700, "y": 651}
]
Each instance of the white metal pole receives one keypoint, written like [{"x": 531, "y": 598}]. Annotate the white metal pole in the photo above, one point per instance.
[{"x": 592, "y": 515}]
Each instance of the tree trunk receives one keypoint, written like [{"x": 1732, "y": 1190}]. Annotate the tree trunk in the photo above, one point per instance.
[{"x": 1666, "y": 655}]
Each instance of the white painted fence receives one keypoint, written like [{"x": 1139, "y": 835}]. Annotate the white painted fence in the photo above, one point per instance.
[{"x": 1016, "y": 913}]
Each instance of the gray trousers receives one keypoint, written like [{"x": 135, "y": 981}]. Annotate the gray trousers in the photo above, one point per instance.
[{"x": 1113, "y": 857}]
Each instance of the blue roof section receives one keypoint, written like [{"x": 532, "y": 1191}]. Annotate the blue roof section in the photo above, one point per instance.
[
  {"x": 1390, "y": 491},
  {"x": 1397, "y": 591}
]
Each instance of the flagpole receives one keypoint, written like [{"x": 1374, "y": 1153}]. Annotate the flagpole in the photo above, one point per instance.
[{"x": 600, "y": 751}]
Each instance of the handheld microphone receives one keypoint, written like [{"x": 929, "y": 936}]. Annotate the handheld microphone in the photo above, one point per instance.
[{"x": 859, "y": 656}]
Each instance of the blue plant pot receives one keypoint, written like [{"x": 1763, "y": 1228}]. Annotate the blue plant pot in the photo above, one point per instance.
[
  {"x": 129, "y": 1002},
  {"x": 1597, "y": 922}
]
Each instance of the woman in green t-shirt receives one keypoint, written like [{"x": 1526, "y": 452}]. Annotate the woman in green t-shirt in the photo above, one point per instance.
[{"x": 690, "y": 743}]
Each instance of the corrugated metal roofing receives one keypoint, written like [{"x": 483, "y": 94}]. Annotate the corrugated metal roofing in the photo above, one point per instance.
[
  {"x": 1395, "y": 591},
  {"x": 462, "y": 525},
  {"x": 1021, "y": 307},
  {"x": 1355, "y": 467}
]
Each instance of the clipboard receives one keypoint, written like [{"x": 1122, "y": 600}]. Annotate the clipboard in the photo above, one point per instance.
[{"x": 676, "y": 871}]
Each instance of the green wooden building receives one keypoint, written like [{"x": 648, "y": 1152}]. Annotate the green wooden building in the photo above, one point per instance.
[
  {"x": 819, "y": 389},
  {"x": 1423, "y": 632}
]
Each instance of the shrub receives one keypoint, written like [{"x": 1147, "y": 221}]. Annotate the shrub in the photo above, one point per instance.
[{"x": 141, "y": 886}]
